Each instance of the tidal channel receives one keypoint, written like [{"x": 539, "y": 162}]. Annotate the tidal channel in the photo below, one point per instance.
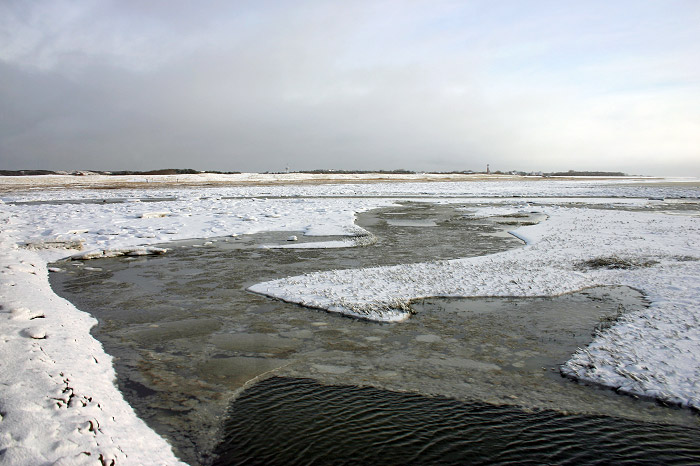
[{"x": 231, "y": 377}]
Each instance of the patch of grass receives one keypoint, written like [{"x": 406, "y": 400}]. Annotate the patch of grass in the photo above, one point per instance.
[
  {"x": 606, "y": 322},
  {"x": 685, "y": 258},
  {"x": 614, "y": 262},
  {"x": 510, "y": 223}
]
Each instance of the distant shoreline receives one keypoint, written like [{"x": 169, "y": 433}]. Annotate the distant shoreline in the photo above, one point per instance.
[
  {"x": 159, "y": 181},
  {"x": 189, "y": 171}
]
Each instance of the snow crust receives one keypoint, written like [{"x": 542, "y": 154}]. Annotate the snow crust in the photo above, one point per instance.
[{"x": 58, "y": 401}]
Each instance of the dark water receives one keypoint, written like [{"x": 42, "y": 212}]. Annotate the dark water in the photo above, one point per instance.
[
  {"x": 287, "y": 421},
  {"x": 187, "y": 337}
]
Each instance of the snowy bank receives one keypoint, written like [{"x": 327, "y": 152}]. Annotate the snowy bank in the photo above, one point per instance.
[{"x": 58, "y": 401}]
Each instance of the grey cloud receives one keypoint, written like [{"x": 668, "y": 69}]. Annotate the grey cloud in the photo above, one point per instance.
[{"x": 132, "y": 85}]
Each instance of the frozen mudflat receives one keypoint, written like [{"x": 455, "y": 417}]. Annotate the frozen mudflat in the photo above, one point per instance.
[{"x": 58, "y": 401}]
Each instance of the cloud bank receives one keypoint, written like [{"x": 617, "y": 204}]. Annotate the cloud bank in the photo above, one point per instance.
[{"x": 261, "y": 86}]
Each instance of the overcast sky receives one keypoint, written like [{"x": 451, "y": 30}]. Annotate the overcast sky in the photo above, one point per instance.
[{"x": 421, "y": 85}]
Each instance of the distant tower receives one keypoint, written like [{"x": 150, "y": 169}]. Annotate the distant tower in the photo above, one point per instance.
[{"x": 488, "y": 169}]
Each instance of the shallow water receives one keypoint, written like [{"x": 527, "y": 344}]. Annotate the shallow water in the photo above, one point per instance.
[
  {"x": 187, "y": 337},
  {"x": 285, "y": 421}
]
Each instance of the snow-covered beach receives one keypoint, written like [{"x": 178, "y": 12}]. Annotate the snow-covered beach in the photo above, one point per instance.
[{"x": 58, "y": 402}]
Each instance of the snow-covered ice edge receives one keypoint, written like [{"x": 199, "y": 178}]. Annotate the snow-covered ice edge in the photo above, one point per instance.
[
  {"x": 655, "y": 353},
  {"x": 58, "y": 400}
]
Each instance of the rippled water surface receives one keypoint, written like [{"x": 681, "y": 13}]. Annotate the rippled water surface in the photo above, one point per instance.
[
  {"x": 283, "y": 421},
  {"x": 187, "y": 339}
]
